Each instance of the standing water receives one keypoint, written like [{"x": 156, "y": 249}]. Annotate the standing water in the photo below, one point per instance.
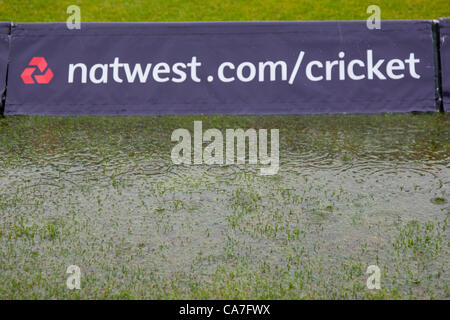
[{"x": 102, "y": 193}]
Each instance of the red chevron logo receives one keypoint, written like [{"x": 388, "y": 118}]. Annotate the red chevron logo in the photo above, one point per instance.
[{"x": 43, "y": 78}]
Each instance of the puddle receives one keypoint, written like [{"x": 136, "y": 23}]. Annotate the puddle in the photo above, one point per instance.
[{"x": 102, "y": 193}]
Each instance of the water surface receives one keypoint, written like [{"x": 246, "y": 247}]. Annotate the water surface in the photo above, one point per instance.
[{"x": 103, "y": 194}]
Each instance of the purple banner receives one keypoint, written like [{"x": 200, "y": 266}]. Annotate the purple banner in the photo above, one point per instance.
[
  {"x": 221, "y": 68},
  {"x": 445, "y": 61},
  {"x": 4, "y": 50}
]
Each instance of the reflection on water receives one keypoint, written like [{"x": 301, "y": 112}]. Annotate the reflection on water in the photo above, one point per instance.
[{"x": 103, "y": 194}]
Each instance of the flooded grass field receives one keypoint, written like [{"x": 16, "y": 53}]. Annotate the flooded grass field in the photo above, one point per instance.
[{"x": 103, "y": 194}]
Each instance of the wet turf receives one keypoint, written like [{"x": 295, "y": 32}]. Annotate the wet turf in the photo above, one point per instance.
[{"x": 102, "y": 193}]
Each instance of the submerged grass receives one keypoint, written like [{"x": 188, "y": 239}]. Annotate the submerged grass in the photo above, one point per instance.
[{"x": 101, "y": 193}]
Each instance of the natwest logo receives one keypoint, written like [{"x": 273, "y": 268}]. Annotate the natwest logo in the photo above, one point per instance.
[{"x": 28, "y": 75}]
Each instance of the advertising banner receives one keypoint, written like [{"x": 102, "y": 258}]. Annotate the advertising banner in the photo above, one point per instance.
[
  {"x": 4, "y": 49},
  {"x": 445, "y": 61},
  {"x": 221, "y": 68}
]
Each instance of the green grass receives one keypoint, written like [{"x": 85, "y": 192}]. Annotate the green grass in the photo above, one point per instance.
[
  {"x": 219, "y": 10},
  {"x": 89, "y": 190},
  {"x": 101, "y": 193}
]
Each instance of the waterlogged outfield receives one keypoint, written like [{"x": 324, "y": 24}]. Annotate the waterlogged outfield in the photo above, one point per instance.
[{"x": 102, "y": 193}]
